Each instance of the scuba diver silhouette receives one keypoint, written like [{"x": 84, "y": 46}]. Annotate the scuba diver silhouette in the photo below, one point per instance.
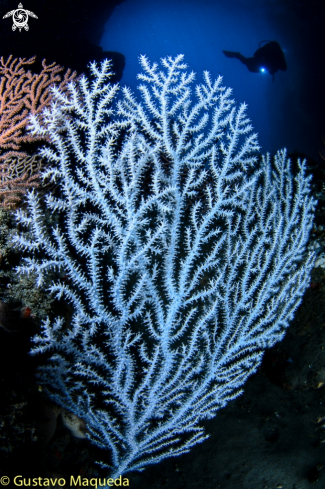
[{"x": 268, "y": 58}]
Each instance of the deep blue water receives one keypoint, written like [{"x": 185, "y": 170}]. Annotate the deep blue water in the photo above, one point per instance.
[{"x": 283, "y": 112}]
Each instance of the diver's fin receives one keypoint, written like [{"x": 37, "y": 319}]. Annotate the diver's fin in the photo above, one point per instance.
[{"x": 231, "y": 54}]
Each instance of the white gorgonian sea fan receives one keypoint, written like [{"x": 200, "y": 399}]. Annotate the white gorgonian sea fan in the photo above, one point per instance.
[{"x": 184, "y": 249}]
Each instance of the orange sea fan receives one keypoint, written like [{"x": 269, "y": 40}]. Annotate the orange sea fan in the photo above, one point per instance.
[
  {"x": 22, "y": 93},
  {"x": 17, "y": 174}
]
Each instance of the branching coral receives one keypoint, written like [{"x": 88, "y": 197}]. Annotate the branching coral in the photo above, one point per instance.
[
  {"x": 17, "y": 174},
  {"x": 177, "y": 283},
  {"x": 22, "y": 94}
]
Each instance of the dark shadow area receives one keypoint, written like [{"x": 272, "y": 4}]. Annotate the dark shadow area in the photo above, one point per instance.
[
  {"x": 306, "y": 93},
  {"x": 66, "y": 32}
]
